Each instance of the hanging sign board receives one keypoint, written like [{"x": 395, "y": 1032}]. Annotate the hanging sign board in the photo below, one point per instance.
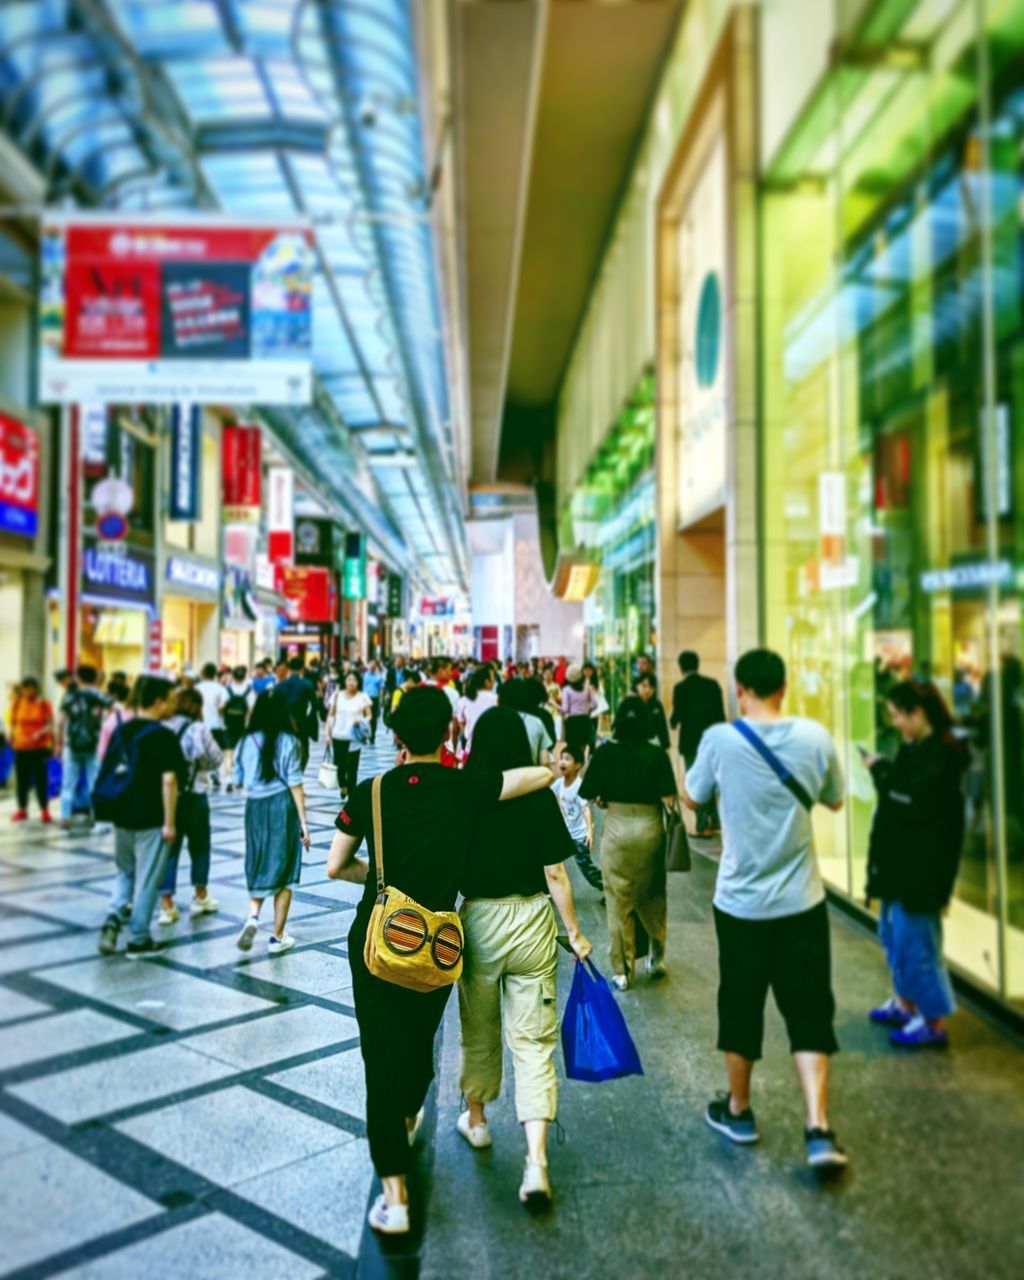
[
  {"x": 186, "y": 443},
  {"x": 199, "y": 309},
  {"x": 242, "y": 472}
]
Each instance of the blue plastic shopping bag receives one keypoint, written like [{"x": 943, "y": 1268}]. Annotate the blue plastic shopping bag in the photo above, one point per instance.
[
  {"x": 6, "y": 764},
  {"x": 595, "y": 1039},
  {"x": 54, "y": 777}
]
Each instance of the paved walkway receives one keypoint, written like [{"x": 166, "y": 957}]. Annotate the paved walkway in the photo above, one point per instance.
[{"x": 201, "y": 1115}]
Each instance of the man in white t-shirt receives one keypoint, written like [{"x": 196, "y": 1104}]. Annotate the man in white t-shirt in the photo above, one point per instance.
[
  {"x": 769, "y": 771},
  {"x": 214, "y": 696},
  {"x": 577, "y": 815}
]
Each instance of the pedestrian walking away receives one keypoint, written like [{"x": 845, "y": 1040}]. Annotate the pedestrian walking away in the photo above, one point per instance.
[
  {"x": 241, "y": 697},
  {"x": 633, "y": 781},
  {"x": 373, "y": 687},
  {"x": 697, "y": 704},
  {"x": 429, "y": 815},
  {"x": 511, "y": 963},
  {"x": 769, "y": 770},
  {"x": 268, "y": 764},
  {"x": 81, "y": 720},
  {"x": 913, "y": 858},
  {"x": 192, "y": 816},
  {"x": 579, "y": 701}
]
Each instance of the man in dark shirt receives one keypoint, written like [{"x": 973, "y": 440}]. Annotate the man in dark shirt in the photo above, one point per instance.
[
  {"x": 145, "y": 831},
  {"x": 697, "y": 704},
  {"x": 300, "y": 695}
]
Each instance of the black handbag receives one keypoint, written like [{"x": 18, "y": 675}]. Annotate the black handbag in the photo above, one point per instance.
[{"x": 677, "y": 842}]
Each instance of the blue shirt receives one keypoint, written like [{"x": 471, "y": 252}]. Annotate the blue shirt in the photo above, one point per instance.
[
  {"x": 373, "y": 682},
  {"x": 263, "y": 682},
  {"x": 248, "y": 773}
]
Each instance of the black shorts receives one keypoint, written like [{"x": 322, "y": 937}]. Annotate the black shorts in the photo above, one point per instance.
[{"x": 792, "y": 956}]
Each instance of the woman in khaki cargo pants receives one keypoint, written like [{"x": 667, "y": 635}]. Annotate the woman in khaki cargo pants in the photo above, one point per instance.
[{"x": 511, "y": 957}]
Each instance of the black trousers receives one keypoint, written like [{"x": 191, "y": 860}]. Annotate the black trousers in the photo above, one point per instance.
[
  {"x": 396, "y": 1038},
  {"x": 31, "y": 773},
  {"x": 346, "y": 760},
  {"x": 374, "y": 717}
]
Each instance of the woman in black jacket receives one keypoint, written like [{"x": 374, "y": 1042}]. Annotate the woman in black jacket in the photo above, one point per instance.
[{"x": 913, "y": 859}]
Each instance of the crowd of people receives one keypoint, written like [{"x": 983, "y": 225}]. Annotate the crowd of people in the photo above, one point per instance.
[{"x": 504, "y": 773}]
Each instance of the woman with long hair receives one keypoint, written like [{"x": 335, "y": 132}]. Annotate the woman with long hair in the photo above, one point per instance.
[
  {"x": 478, "y": 698},
  {"x": 511, "y": 964},
  {"x": 348, "y": 726},
  {"x": 633, "y": 780},
  {"x": 268, "y": 764},
  {"x": 913, "y": 858}
]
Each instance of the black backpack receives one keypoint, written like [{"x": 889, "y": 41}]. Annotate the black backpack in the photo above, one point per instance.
[
  {"x": 237, "y": 705},
  {"x": 115, "y": 797},
  {"x": 84, "y": 711}
]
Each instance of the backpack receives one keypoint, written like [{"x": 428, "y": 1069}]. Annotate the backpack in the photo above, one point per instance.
[
  {"x": 237, "y": 705},
  {"x": 186, "y": 788},
  {"x": 83, "y": 712},
  {"x": 115, "y": 797}
]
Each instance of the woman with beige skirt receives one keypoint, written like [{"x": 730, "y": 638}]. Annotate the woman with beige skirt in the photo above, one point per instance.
[{"x": 633, "y": 780}]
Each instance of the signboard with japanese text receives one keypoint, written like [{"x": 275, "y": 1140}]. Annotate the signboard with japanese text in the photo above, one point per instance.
[
  {"x": 281, "y": 515},
  {"x": 242, "y": 471},
  {"x": 19, "y": 478},
  {"x": 157, "y": 311},
  {"x": 307, "y": 589},
  {"x": 354, "y": 573},
  {"x": 186, "y": 444}
]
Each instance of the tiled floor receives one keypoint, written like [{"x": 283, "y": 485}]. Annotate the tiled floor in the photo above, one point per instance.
[{"x": 202, "y": 1115}]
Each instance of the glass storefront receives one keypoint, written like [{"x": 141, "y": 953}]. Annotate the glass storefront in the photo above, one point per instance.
[
  {"x": 613, "y": 516},
  {"x": 892, "y": 317}
]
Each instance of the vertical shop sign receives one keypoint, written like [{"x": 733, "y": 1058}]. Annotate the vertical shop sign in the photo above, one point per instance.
[
  {"x": 242, "y": 470},
  {"x": 307, "y": 588},
  {"x": 185, "y": 456},
  {"x": 19, "y": 478},
  {"x": 156, "y": 644},
  {"x": 354, "y": 575},
  {"x": 281, "y": 515},
  {"x": 395, "y": 609}
]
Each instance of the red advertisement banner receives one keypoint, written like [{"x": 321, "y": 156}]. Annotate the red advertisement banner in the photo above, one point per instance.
[
  {"x": 307, "y": 588},
  {"x": 242, "y": 471},
  {"x": 19, "y": 478}
]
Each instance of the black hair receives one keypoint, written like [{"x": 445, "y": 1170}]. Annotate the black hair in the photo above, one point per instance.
[
  {"x": 567, "y": 749},
  {"x": 272, "y": 717},
  {"x": 353, "y": 675},
  {"x": 414, "y": 676},
  {"x": 913, "y": 695},
  {"x": 240, "y": 673},
  {"x": 477, "y": 681},
  {"x": 87, "y": 674},
  {"x": 439, "y": 663},
  {"x": 647, "y": 677},
  {"x": 119, "y": 690},
  {"x": 209, "y": 671},
  {"x": 762, "y": 672},
  {"x": 513, "y": 694},
  {"x": 632, "y": 723},
  {"x": 30, "y": 682},
  {"x": 423, "y": 719},
  {"x": 689, "y": 661},
  {"x": 500, "y": 741},
  {"x": 296, "y": 664},
  {"x": 149, "y": 690}
]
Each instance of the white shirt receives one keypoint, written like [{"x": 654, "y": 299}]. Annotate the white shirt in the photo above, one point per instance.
[
  {"x": 214, "y": 696},
  {"x": 572, "y": 807},
  {"x": 470, "y": 710},
  {"x": 347, "y": 712}
]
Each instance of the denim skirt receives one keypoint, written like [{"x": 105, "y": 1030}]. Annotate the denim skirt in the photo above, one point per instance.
[{"x": 273, "y": 843}]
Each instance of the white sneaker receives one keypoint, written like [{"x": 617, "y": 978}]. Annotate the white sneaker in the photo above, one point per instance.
[
  {"x": 204, "y": 906},
  {"x": 536, "y": 1188},
  {"x": 620, "y": 982},
  {"x": 477, "y": 1135},
  {"x": 278, "y": 946},
  {"x": 169, "y": 915},
  {"x": 417, "y": 1125},
  {"x": 389, "y": 1219},
  {"x": 249, "y": 930},
  {"x": 656, "y": 968}
]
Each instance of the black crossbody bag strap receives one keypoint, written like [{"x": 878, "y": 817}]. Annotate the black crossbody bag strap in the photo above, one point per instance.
[{"x": 793, "y": 785}]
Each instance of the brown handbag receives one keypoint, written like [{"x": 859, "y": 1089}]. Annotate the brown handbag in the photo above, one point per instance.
[
  {"x": 407, "y": 944},
  {"x": 677, "y": 842}
]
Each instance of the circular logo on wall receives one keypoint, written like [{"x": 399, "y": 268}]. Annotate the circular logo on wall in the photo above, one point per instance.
[{"x": 709, "y": 329}]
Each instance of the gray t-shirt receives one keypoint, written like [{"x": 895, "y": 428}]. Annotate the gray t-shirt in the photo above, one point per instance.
[{"x": 768, "y": 867}]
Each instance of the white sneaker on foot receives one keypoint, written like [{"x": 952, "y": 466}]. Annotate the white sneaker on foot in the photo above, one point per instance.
[
  {"x": 477, "y": 1135},
  {"x": 389, "y": 1219},
  {"x": 249, "y": 930},
  {"x": 278, "y": 946},
  {"x": 417, "y": 1125},
  {"x": 620, "y": 982},
  {"x": 204, "y": 906},
  {"x": 536, "y": 1188},
  {"x": 169, "y": 915}
]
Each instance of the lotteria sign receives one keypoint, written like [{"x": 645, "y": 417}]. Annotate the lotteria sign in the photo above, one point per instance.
[
  {"x": 117, "y": 573},
  {"x": 198, "y": 310},
  {"x": 19, "y": 478}
]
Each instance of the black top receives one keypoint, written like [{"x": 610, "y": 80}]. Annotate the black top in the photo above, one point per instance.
[
  {"x": 159, "y": 752},
  {"x": 637, "y": 774},
  {"x": 428, "y": 815},
  {"x": 658, "y": 728},
  {"x": 513, "y": 843},
  {"x": 918, "y": 830},
  {"x": 301, "y": 698},
  {"x": 697, "y": 704}
]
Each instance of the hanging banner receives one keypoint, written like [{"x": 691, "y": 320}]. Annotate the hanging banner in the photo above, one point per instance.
[
  {"x": 199, "y": 309},
  {"x": 19, "y": 478},
  {"x": 354, "y": 571},
  {"x": 281, "y": 515},
  {"x": 186, "y": 444},
  {"x": 307, "y": 588},
  {"x": 242, "y": 471}
]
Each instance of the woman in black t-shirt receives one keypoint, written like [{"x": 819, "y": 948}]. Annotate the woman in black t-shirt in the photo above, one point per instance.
[
  {"x": 632, "y": 780},
  {"x": 511, "y": 960},
  {"x": 428, "y": 814}
]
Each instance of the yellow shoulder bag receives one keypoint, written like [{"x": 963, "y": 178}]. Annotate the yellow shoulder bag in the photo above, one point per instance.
[{"x": 405, "y": 943}]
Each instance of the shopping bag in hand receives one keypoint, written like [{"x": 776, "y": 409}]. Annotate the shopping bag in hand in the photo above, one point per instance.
[
  {"x": 595, "y": 1039},
  {"x": 54, "y": 777}
]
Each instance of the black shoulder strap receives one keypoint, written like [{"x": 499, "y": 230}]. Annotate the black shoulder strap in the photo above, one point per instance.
[{"x": 774, "y": 763}]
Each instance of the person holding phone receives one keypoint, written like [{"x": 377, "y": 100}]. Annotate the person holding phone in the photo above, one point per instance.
[{"x": 268, "y": 763}]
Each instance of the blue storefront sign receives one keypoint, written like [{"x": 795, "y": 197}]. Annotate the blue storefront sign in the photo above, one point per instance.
[
  {"x": 117, "y": 573},
  {"x": 192, "y": 574},
  {"x": 186, "y": 452}
]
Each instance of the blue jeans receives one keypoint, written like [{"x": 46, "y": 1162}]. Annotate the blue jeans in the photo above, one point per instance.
[
  {"x": 140, "y": 857},
  {"x": 913, "y": 947},
  {"x": 192, "y": 823},
  {"x": 75, "y": 764}
]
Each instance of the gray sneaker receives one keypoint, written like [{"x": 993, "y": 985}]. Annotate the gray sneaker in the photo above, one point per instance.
[{"x": 741, "y": 1129}]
